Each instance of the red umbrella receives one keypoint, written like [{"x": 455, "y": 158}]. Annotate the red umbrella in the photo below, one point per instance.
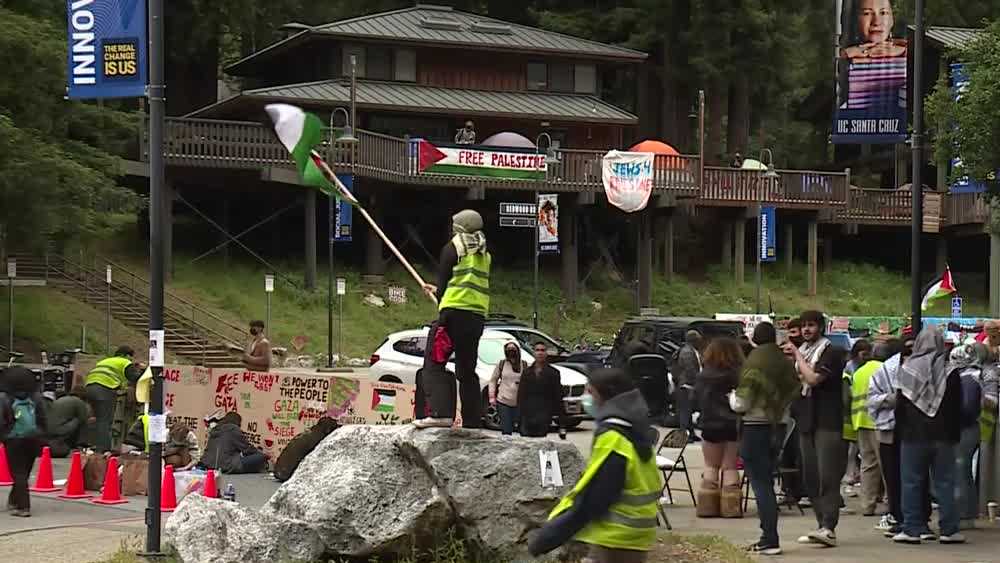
[{"x": 660, "y": 148}]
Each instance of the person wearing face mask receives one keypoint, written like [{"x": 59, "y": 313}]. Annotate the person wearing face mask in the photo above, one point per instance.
[
  {"x": 257, "y": 356},
  {"x": 539, "y": 397},
  {"x": 613, "y": 507},
  {"x": 504, "y": 386},
  {"x": 466, "y": 135}
]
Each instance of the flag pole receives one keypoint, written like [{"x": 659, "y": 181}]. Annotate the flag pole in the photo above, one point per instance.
[{"x": 325, "y": 168}]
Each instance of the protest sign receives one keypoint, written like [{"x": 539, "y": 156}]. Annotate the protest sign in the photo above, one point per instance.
[{"x": 628, "y": 179}]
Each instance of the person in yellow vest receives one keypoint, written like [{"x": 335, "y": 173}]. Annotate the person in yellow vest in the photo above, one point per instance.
[
  {"x": 102, "y": 384},
  {"x": 463, "y": 295},
  {"x": 613, "y": 507},
  {"x": 867, "y": 435}
]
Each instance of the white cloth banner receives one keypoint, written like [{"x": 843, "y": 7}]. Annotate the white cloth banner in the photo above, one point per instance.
[{"x": 628, "y": 179}]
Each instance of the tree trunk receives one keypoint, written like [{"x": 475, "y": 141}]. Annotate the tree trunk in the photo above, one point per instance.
[
  {"x": 738, "y": 126},
  {"x": 716, "y": 110}
]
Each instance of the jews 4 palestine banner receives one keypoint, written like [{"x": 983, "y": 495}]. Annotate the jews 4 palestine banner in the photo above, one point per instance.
[
  {"x": 107, "y": 48},
  {"x": 628, "y": 179},
  {"x": 871, "y": 75}
]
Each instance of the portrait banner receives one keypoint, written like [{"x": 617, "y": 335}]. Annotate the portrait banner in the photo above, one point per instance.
[
  {"x": 548, "y": 223},
  {"x": 628, "y": 179},
  {"x": 871, "y": 75}
]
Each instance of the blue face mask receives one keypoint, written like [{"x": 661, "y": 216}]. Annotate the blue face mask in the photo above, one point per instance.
[{"x": 587, "y": 401}]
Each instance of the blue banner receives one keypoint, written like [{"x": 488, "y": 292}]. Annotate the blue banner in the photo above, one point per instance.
[
  {"x": 343, "y": 213},
  {"x": 959, "y": 83},
  {"x": 107, "y": 48},
  {"x": 768, "y": 230}
]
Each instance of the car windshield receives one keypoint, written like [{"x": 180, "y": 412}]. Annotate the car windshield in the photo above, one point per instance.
[
  {"x": 491, "y": 350},
  {"x": 529, "y": 338}
]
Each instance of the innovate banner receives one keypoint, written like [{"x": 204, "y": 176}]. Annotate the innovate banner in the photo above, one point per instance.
[
  {"x": 107, "y": 48},
  {"x": 871, "y": 75}
]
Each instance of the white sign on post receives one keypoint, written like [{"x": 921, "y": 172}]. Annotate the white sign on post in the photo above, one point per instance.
[
  {"x": 107, "y": 274},
  {"x": 11, "y": 268},
  {"x": 157, "y": 341},
  {"x": 341, "y": 286},
  {"x": 269, "y": 283}
]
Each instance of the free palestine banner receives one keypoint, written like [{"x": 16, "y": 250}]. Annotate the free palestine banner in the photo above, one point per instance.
[{"x": 488, "y": 161}]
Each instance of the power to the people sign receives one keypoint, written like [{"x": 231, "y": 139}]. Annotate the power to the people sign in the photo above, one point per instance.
[{"x": 107, "y": 48}]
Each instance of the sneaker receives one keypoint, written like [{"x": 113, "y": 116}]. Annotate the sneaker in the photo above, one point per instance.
[
  {"x": 806, "y": 539},
  {"x": 850, "y": 491},
  {"x": 762, "y": 549},
  {"x": 847, "y": 510},
  {"x": 804, "y": 502},
  {"x": 887, "y": 522},
  {"x": 903, "y": 537},
  {"x": 928, "y": 536},
  {"x": 953, "y": 538},
  {"x": 895, "y": 529},
  {"x": 20, "y": 513},
  {"x": 422, "y": 423},
  {"x": 825, "y": 537}
]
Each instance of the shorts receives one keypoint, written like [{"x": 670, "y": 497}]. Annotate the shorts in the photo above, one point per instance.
[{"x": 720, "y": 435}]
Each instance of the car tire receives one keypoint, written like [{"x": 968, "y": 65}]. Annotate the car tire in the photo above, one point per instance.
[
  {"x": 390, "y": 379},
  {"x": 574, "y": 424},
  {"x": 491, "y": 414}
]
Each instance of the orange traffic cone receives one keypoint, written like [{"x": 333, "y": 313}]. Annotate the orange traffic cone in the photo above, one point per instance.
[
  {"x": 168, "y": 496},
  {"x": 210, "y": 489},
  {"x": 43, "y": 482},
  {"x": 112, "y": 493},
  {"x": 74, "y": 482},
  {"x": 5, "y": 477}
]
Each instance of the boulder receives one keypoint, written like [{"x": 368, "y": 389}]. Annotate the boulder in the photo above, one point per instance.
[{"x": 385, "y": 491}]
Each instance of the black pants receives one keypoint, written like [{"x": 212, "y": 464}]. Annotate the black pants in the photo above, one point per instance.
[
  {"x": 103, "y": 402},
  {"x": 21, "y": 454},
  {"x": 684, "y": 400},
  {"x": 64, "y": 439},
  {"x": 889, "y": 460},
  {"x": 824, "y": 461},
  {"x": 464, "y": 328},
  {"x": 791, "y": 458}
]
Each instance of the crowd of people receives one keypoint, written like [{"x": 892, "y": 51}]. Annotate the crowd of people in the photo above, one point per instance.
[{"x": 899, "y": 422}]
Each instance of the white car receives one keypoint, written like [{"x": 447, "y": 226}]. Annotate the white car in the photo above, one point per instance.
[{"x": 399, "y": 357}]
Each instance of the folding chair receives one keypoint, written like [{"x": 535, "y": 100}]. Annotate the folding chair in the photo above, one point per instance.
[
  {"x": 676, "y": 438},
  {"x": 778, "y": 477}
]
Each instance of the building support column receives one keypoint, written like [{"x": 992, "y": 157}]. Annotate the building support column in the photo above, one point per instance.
[
  {"x": 740, "y": 246},
  {"x": 942, "y": 253},
  {"x": 645, "y": 259},
  {"x": 374, "y": 247},
  {"x": 309, "y": 209},
  {"x": 813, "y": 243},
  {"x": 568, "y": 247},
  {"x": 667, "y": 231},
  {"x": 789, "y": 249},
  {"x": 168, "y": 230},
  {"x": 226, "y": 224},
  {"x": 727, "y": 246},
  {"x": 828, "y": 253}
]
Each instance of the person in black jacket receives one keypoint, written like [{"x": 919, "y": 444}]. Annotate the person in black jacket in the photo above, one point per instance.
[
  {"x": 539, "y": 397},
  {"x": 22, "y": 436},
  {"x": 228, "y": 450},
  {"x": 301, "y": 446}
]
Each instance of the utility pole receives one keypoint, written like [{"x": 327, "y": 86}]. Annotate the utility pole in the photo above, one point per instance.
[
  {"x": 157, "y": 110},
  {"x": 916, "y": 186}
]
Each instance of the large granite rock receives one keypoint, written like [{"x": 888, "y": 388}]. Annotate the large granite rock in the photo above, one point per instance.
[{"x": 384, "y": 490}]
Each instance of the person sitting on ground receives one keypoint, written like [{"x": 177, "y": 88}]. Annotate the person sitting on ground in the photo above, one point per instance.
[
  {"x": 301, "y": 446},
  {"x": 228, "y": 449},
  {"x": 181, "y": 450},
  {"x": 613, "y": 507},
  {"x": 68, "y": 416}
]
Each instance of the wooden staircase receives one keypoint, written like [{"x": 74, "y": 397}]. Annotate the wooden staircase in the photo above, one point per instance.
[{"x": 193, "y": 333}]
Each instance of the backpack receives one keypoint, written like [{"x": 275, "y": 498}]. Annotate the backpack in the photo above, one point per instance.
[{"x": 24, "y": 419}]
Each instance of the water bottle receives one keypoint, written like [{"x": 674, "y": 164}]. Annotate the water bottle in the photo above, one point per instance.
[{"x": 230, "y": 493}]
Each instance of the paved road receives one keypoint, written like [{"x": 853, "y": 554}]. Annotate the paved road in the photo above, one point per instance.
[{"x": 78, "y": 531}]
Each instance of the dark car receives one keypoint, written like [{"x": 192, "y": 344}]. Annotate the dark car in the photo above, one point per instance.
[{"x": 668, "y": 335}]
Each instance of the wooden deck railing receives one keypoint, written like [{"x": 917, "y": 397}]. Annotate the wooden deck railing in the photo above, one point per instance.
[
  {"x": 792, "y": 188},
  {"x": 879, "y": 206},
  {"x": 965, "y": 209}
]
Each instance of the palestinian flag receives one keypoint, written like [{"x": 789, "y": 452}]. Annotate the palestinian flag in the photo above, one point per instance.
[
  {"x": 300, "y": 132},
  {"x": 427, "y": 155},
  {"x": 383, "y": 400},
  {"x": 938, "y": 288}
]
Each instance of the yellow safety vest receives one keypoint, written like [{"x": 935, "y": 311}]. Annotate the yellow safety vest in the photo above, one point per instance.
[
  {"x": 109, "y": 372},
  {"x": 987, "y": 423},
  {"x": 848, "y": 431},
  {"x": 859, "y": 396},
  {"x": 469, "y": 286},
  {"x": 630, "y": 523},
  {"x": 145, "y": 431}
]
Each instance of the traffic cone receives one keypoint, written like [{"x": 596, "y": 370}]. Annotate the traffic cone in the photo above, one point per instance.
[
  {"x": 112, "y": 493},
  {"x": 5, "y": 477},
  {"x": 168, "y": 496},
  {"x": 210, "y": 488},
  {"x": 74, "y": 482},
  {"x": 43, "y": 482}
]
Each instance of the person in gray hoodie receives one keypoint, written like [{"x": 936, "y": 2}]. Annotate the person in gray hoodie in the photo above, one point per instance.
[{"x": 228, "y": 449}]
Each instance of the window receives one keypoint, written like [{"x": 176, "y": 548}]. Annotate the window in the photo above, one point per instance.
[
  {"x": 359, "y": 53},
  {"x": 405, "y": 68},
  {"x": 585, "y": 79},
  {"x": 561, "y": 78},
  {"x": 491, "y": 351},
  {"x": 379, "y": 63},
  {"x": 538, "y": 76},
  {"x": 411, "y": 346}
]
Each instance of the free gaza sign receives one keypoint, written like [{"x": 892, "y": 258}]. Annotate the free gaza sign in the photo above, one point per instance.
[
  {"x": 107, "y": 48},
  {"x": 497, "y": 162}
]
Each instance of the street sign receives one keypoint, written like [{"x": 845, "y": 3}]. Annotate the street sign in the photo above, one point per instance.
[
  {"x": 767, "y": 235},
  {"x": 341, "y": 286},
  {"x": 512, "y": 221},
  {"x": 269, "y": 283},
  {"x": 518, "y": 209},
  {"x": 956, "y": 307},
  {"x": 107, "y": 274},
  {"x": 12, "y": 268}
]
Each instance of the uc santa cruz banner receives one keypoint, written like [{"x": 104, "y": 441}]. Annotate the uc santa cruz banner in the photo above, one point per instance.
[
  {"x": 107, "y": 48},
  {"x": 871, "y": 74},
  {"x": 277, "y": 406},
  {"x": 628, "y": 179}
]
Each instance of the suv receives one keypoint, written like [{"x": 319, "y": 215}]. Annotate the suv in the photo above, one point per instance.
[
  {"x": 558, "y": 352},
  {"x": 668, "y": 334},
  {"x": 401, "y": 355}
]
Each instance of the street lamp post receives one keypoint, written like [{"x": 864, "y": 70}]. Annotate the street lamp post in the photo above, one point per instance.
[
  {"x": 550, "y": 158},
  {"x": 916, "y": 186},
  {"x": 768, "y": 175},
  {"x": 349, "y": 139}
]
